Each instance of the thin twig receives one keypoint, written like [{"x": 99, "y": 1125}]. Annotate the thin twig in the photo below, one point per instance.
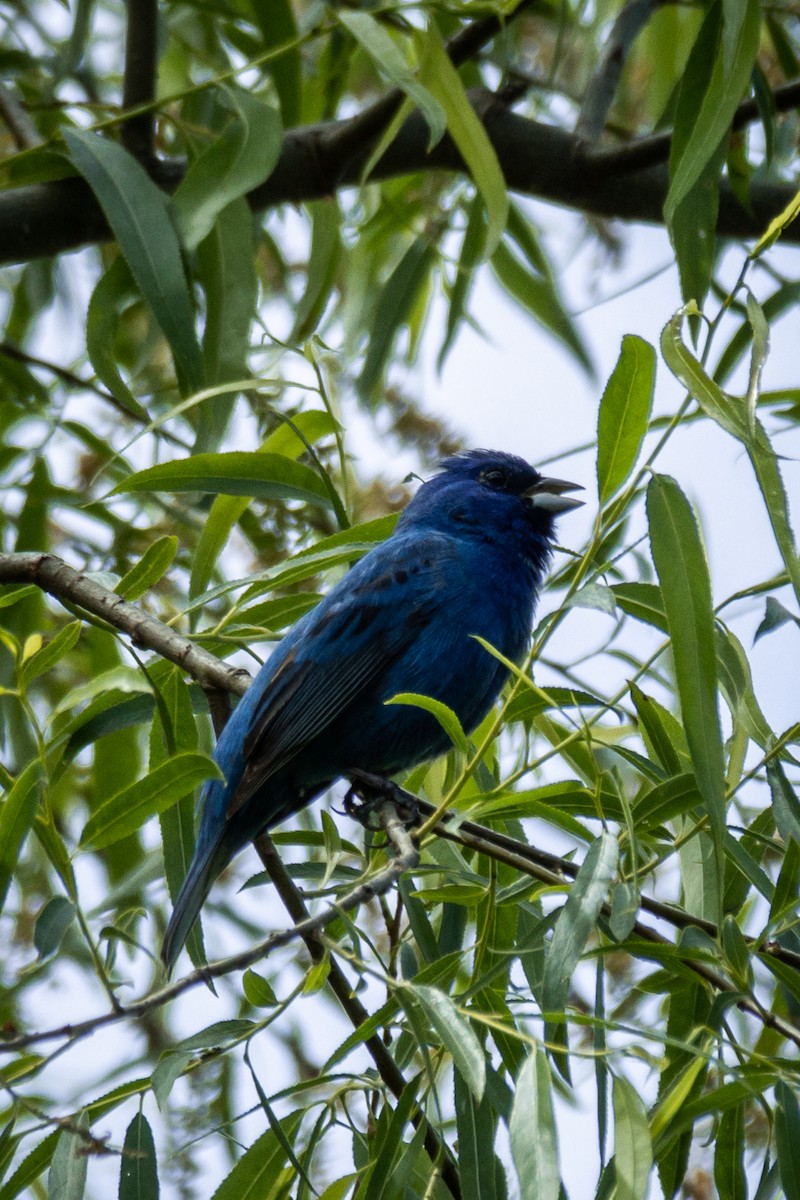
[
  {"x": 341, "y": 987},
  {"x": 17, "y": 120}
]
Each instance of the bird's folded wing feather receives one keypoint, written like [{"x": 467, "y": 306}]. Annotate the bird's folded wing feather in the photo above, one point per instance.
[{"x": 355, "y": 635}]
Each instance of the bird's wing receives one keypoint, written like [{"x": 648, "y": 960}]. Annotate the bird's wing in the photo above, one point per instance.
[{"x": 367, "y": 622}]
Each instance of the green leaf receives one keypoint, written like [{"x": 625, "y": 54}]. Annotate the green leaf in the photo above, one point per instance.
[
  {"x": 323, "y": 260},
  {"x": 441, "y": 78},
  {"x": 633, "y": 1152},
  {"x": 785, "y": 804},
  {"x": 577, "y": 919},
  {"x": 226, "y": 268},
  {"x": 138, "y": 1178},
  {"x": 680, "y": 561},
  {"x": 16, "y": 818},
  {"x": 624, "y": 414},
  {"x": 114, "y": 292},
  {"x": 127, "y": 811},
  {"x": 643, "y": 601},
  {"x": 156, "y": 560},
  {"x": 257, "y": 1172},
  {"x": 242, "y": 157},
  {"x": 276, "y": 22},
  {"x": 137, "y": 212},
  {"x": 51, "y": 924},
  {"x": 444, "y": 715},
  {"x": 226, "y": 510},
  {"x": 729, "y": 1148},
  {"x": 390, "y": 63},
  {"x": 732, "y": 415},
  {"x": 46, "y": 658},
  {"x": 67, "y": 1178},
  {"x": 392, "y": 311},
  {"x": 455, "y": 1032},
  {"x": 532, "y": 1129},
  {"x": 475, "y": 1128},
  {"x": 31, "y": 1167},
  {"x": 715, "y": 80},
  {"x": 469, "y": 259},
  {"x": 237, "y": 473},
  {"x": 258, "y": 990},
  {"x": 787, "y": 1137},
  {"x": 538, "y": 294}
]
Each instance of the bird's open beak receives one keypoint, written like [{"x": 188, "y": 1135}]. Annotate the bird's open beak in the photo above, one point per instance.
[{"x": 549, "y": 495}]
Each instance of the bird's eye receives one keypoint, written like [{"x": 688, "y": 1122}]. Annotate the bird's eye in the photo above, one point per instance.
[{"x": 495, "y": 478}]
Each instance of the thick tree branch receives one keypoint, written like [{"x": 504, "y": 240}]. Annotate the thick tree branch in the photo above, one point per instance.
[
  {"x": 628, "y": 182},
  {"x": 139, "y": 85}
]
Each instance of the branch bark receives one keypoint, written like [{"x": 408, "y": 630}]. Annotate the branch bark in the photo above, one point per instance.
[{"x": 627, "y": 182}]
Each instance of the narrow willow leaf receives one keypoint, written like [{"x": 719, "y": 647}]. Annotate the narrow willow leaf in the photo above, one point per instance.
[
  {"x": 633, "y": 1152},
  {"x": 441, "y": 78},
  {"x": 52, "y": 923},
  {"x": 787, "y": 1137},
  {"x": 47, "y": 657},
  {"x": 389, "y": 61},
  {"x": 156, "y": 560},
  {"x": 577, "y": 920},
  {"x": 114, "y": 292},
  {"x": 469, "y": 258},
  {"x": 680, "y": 561},
  {"x": 785, "y": 803},
  {"x": 729, "y": 1148},
  {"x": 720, "y": 68},
  {"x": 138, "y": 1178},
  {"x": 136, "y": 210},
  {"x": 16, "y": 817},
  {"x": 275, "y": 20},
  {"x": 532, "y": 1128},
  {"x": 67, "y": 1178},
  {"x": 242, "y": 157},
  {"x": 226, "y": 269},
  {"x": 237, "y": 473},
  {"x": 31, "y": 1167},
  {"x": 624, "y": 414},
  {"x": 475, "y": 1129},
  {"x": 455, "y": 1032},
  {"x": 392, "y": 311},
  {"x": 538, "y": 294},
  {"x": 643, "y": 601},
  {"x": 323, "y": 260},
  {"x": 258, "y": 1171},
  {"x": 731, "y": 414},
  {"x": 286, "y": 441},
  {"x": 444, "y": 715},
  {"x": 776, "y": 227},
  {"x": 127, "y": 811}
]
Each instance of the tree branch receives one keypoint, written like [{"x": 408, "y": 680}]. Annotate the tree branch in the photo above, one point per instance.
[
  {"x": 139, "y": 86},
  {"x": 628, "y": 182},
  {"x": 56, "y": 577},
  {"x": 341, "y": 987}
]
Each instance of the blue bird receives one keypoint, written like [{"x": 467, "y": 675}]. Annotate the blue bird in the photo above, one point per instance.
[{"x": 467, "y": 557}]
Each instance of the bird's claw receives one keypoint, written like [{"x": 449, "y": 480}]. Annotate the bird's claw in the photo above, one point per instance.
[{"x": 367, "y": 792}]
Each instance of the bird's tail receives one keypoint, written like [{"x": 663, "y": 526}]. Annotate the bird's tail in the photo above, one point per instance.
[{"x": 205, "y": 867}]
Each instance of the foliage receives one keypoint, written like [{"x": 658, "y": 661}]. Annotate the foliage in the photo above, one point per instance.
[{"x": 184, "y": 441}]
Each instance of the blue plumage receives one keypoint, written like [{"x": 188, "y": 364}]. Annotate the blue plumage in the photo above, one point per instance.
[{"x": 467, "y": 557}]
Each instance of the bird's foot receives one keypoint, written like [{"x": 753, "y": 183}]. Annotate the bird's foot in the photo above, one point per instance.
[{"x": 367, "y": 792}]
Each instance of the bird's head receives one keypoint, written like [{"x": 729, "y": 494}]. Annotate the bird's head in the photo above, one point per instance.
[{"x": 492, "y": 495}]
